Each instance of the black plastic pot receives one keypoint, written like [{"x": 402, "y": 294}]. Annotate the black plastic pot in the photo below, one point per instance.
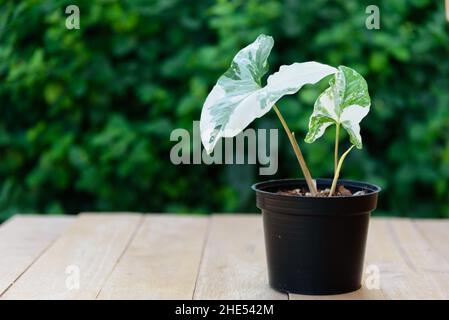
[{"x": 315, "y": 245}]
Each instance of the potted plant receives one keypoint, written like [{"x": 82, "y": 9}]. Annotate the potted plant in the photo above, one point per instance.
[{"x": 315, "y": 230}]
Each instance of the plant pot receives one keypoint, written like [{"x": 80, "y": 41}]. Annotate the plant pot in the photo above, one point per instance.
[{"x": 315, "y": 245}]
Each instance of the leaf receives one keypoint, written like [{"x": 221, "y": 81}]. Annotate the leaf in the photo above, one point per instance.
[
  {"x": 238, "y": 98},
  {"x": 345, "y": 102}
]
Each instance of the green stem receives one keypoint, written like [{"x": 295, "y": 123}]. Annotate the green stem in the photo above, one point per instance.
[
  {"x": 337, "y": 131},
  {"x": 298, "y": 153},
  {"x": 337, "y": 171}
]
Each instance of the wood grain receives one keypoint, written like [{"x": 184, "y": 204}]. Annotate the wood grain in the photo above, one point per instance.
[
  {"x": 234, "y": 264},
  {"x": 23, "y": 239},
  {"x": 162, "y": 261},
  {"x": 92, "y": 245},
  {"x": 436, "y": 233},
  {"x": 430, "y": 267},
  {"x": 128, "y": 256}
]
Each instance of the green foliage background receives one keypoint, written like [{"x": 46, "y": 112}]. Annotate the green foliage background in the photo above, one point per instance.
[{"x": 85, "y": 115}]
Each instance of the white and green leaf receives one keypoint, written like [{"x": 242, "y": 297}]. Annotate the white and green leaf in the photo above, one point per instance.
[
  {"x": 238, "y": 97},
  {"x": 346, "y": 102}
]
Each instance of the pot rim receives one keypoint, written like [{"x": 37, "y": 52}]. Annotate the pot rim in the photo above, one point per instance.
[{"x": 372, "y": 188}]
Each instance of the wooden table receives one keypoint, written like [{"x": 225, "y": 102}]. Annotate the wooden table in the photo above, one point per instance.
[{"x": 154, "y": 256}]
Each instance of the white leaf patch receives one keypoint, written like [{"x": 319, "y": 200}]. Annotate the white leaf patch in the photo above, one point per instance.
[
  {"x": 238, "y": 98},
  {"x": 346, "y": 102}
]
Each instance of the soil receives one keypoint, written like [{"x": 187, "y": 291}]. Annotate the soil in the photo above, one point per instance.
[{"x": 340, "y": 192}]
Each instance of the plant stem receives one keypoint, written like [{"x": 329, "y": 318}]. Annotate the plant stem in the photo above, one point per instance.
[
  {"x": 337, "y": 171},
  {"x": 298, "y": 153},
  {"x": 337, "y": 131}
]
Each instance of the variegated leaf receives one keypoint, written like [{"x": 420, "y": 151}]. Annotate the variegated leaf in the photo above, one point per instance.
[
  {"x": 238, "y": 97},
  {"x": 345, "y": 102}
]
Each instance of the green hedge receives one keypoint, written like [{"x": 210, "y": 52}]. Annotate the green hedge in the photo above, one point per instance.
[{"x": 85, "y": 115}]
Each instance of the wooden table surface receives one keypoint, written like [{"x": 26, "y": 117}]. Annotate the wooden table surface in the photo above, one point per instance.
[{"x": 155, "y": 256}]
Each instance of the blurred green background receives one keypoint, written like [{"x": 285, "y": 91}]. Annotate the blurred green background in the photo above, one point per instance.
[{"x": 86, "y": 115}]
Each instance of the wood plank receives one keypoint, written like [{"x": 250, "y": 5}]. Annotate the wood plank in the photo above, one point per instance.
[
  {"x": 162, "y": 261},
  {"x": 234, "y": 264},
  {"x": 23, "y": 238},
  {"x": 436, "y": 232},
  {"x": 384, "y": 254},
  {"x": 88, "y": 250},
  {"x": 431, "y": 269}
]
